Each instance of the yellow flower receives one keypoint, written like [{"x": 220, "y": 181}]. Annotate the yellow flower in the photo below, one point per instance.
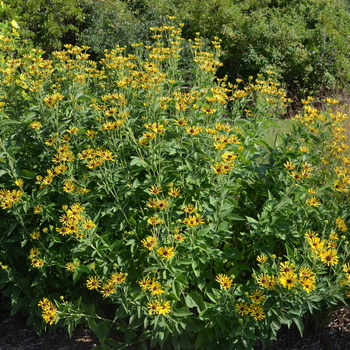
[
  {"x": 258, "y": 296},
  {"x": 37, "y": 262},
  {"x": 225, "y": 281},
  {"x": 228, "y": 156},
  {"x": 107, "y": 290},
  {"x": 34, "y": 252},
  {"x": 308, "y": 284},
  {"x": 333, "y": 235},
  {"x": 313, "y": 201},
  {"x": 93, "y": 283},
  {"x": 219, "y": 145},
  {"x": 289, "y": 165},
  {"x": 35, "y": 235},
  {"x": 174, "y": 191},
  {"x": 296, "y": 175},
  {"x": 155, "y": 288},
  {"x": 190, "y": 208},
  {"x": 257, "y": 312},
  {"x": 316, "y": 243},
  {"x": 91, "y": 133},
  {"x": 155, "y": 190},
  {"x": 72, "y": 130},
  {"x": 153, "y": 307},
  {"x": 346, "y": 268},
  {"x": 181, "y": 121},
  {"x": 262, "y": 258},
  {"x": 161, "y": 204},
  {"x": 158, "y": 128},
  {"x": 341, "y": 224},
  {"x": 117, "y": 278},
  {"x": 19, "y": 182},
  {"x": 219, "y": 168},
  {"x": 68, "y": 186},
  {"x": 14, "y": 24},
  {"x": 49, "y": 317},
  {"x": 179, "y": 237},
  {"x": 151, "y": 203},
  {"x": 35, "y": 125},
  {"x": 266, "y": 281},
  {"x": 307, "y": 166},
  {"x": 287, "y": 267},
  {"x": 329, "y": 257},
  {"x": 71, "y": 266},
  {"x": 154, "y": 220},
  {"x": 89, "y": 224},
  {"x": 288, "y": 280},
  {"x": 234, "y": 139},
  {"x": 193, "y": 130},
  {"x": 37, "y": 209},
  {"x": 164, "y": 307},
  {"x": 144, "y": 283},
  {"x": 193, "y": 220},
  {"x": 311, "y": 234},
  {"x": 166, "y": 252},
  {"x": 149, "y": 242},
  {"x": 242, "y": 308},
  {"x": 305, "y": 272}
]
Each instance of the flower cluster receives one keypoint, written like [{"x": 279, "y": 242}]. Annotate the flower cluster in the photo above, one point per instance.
[
  {"x": 109, "y": 287},
  {"x": 253, "y": 308},
  {"x": 8, "y": 198},
  {"x": 49, "y": 311}
]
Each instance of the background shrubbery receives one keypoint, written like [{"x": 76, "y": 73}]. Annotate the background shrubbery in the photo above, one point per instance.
[
  {"x": 141, "y": 193},
  {"x": 304, "y": 41}
]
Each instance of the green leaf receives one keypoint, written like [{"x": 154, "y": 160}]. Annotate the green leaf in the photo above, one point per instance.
[
  {"x": 70, "y": 326},
  {"x": 223, "y": 226},
  {"x": 253, "y": 223},
  {"x": 183, "y": 312},
  {"x": 26, "y": 174},
  {"x": 234, "y": 217},
  {"x": 183, "y": 261},
  {"x": 130, "y": 334},
  {"x": 183, "y": 280},
  {"x": 189, "y": 166},
  {"x": 299, "y": 324},
  {"x": 199, "y": 340},
  {"x": 76, "y": 275},
  {"x": 203, "y": 231},
  {"x": 138, "y": 161},
  {"x": 120, "y": 313},
  {"x": 194, "y": 299}
]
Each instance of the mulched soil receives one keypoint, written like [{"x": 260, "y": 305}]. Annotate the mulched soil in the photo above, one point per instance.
[
  {"x": 16, "y": 335},
  {"x": 335, "y": 336}
]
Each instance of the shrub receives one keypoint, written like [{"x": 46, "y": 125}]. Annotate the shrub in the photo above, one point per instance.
[
  {"x": 135, "y": 200},
  {"x": 48, "y": 24},
  {"x": 304, "y": 41}
]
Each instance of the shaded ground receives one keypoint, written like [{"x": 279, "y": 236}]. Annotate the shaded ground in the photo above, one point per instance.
[
  {"x": 15, "y": 335},
  {"x": 336, "y": 336}
]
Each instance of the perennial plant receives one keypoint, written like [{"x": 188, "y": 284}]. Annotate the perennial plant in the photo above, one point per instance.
[{"x": 143, "y": 197}]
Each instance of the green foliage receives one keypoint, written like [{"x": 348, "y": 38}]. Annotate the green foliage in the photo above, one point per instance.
[
  {"x": 140, "y": 195},
  {"x": 305, "y": 41},
  {"x": 49, "y": 24},
  {"x": 107, "y": 24}
]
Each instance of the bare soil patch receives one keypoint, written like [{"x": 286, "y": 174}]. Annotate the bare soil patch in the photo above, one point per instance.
[{"x": 16, "y": 335}]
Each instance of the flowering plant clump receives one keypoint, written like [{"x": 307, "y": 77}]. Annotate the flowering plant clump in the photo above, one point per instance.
[{"x": 134, "y": 199}]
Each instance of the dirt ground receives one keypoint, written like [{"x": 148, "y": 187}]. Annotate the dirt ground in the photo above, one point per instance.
[{"x": 15, "y": 335}]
